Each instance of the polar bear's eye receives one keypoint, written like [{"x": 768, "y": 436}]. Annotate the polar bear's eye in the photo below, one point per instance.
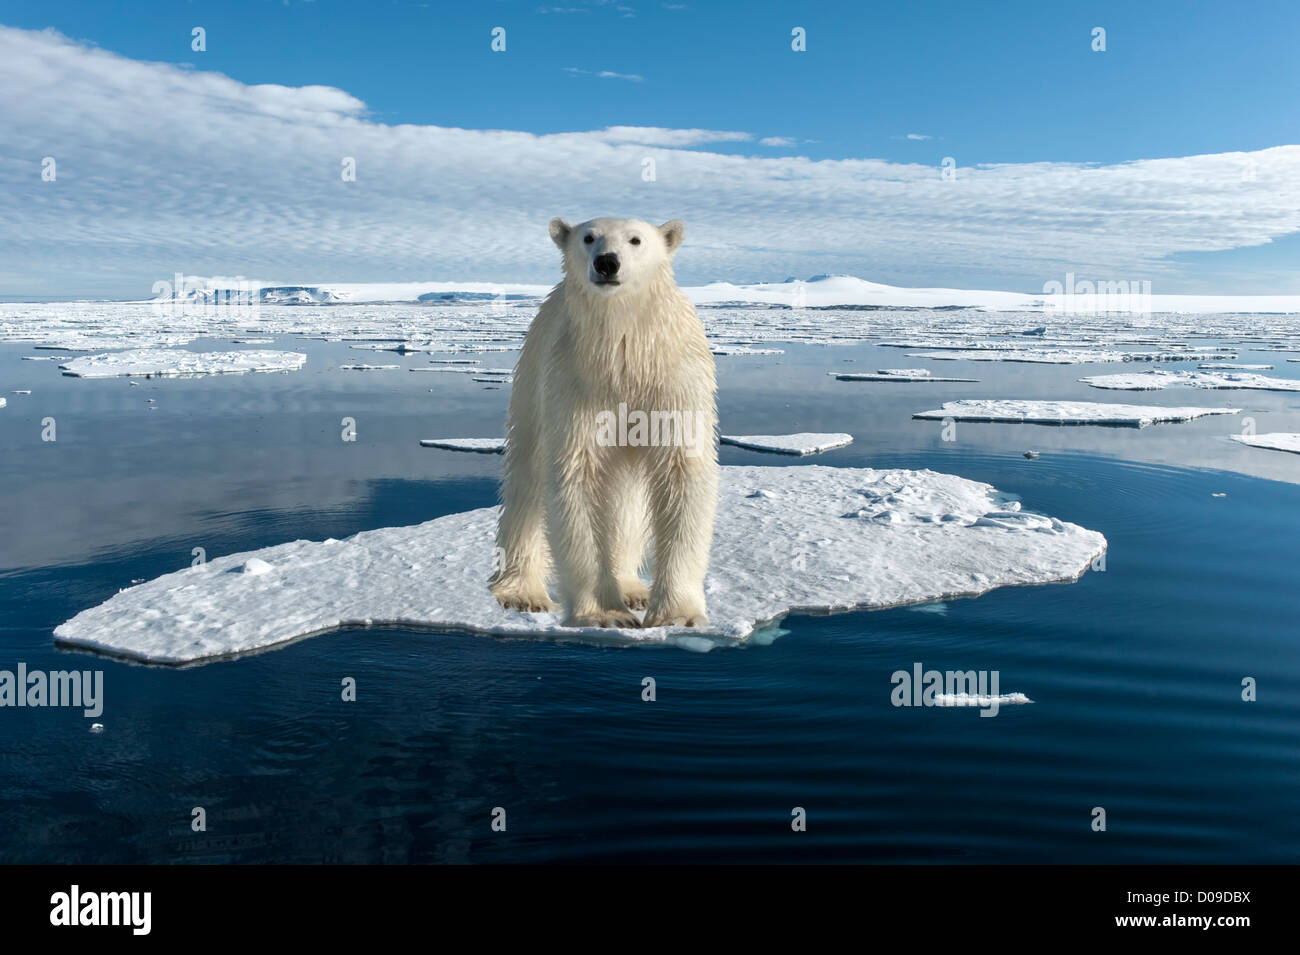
[
  {"x": 636, "y": 240},
  {"x": 589, "y": 239}
]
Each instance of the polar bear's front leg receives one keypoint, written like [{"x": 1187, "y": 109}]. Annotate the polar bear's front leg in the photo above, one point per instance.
[
  {"x": 624, "y": 525},
  {"x": 576, "y": 523},
  {"x": 519, "y": 580},
  {"x": 683, "y": 502}
]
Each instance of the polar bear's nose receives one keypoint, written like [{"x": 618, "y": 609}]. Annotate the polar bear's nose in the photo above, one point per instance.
[{"x": 606, "y": 265}]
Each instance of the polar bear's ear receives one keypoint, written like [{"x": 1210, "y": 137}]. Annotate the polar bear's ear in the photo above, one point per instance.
[
  {"x": 560, "y": 231},
  {"x": 673, "y": 233}
]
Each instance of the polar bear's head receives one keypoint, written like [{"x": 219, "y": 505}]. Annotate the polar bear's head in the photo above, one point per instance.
[{"x": 615, "y": 256}]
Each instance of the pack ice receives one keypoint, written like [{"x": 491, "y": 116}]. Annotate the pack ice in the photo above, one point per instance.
[
  {"x": 1275, "y": 441},
  {"x": 805, "y": 442},
  {"x": 179, "y": 363},
  {"x": 1064, "y": 412},
  {"x": 786, "y": 539},
  {"x": 1158, "y": 378}
]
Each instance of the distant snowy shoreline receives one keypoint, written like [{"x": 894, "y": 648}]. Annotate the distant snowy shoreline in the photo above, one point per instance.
[{"x": 822, "y": 291}]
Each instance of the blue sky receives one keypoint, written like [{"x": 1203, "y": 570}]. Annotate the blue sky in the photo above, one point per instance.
[{"x": 1012, "y": 91}]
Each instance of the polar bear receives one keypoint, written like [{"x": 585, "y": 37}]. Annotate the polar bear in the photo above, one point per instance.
[{"x": 611, "y": 438}]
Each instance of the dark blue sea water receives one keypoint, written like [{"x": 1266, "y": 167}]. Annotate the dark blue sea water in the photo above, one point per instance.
[{"x": 1135, "y": 671}]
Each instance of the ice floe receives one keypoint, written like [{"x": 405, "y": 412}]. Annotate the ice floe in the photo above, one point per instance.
[
  {"x": 804, "y": 538},
  {"x": 466, "y": 369},
  {"x": 745, "y": 350},
  {"x": 1274, "y": 441},
  {"x": 1065, "y": 412},
  {"x": 897, "y": 374},
  {"x": 1157, "y": 378},
  {"x": 479, "y": 445},
  {"x": 1065, "y": 356},
  {"x": 805, "y": 442},
  {"x": 979, "y": 699},
  {"x": 177, "y": 363},
  {"x": 369, "y": 367}
]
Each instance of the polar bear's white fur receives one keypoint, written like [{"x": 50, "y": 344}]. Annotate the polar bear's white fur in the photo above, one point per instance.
[{"x": 611, "y": 437}]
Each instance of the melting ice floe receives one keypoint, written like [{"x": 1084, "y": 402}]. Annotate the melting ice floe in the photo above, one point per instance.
[
  {"x": 979, "y": 699},
  {"x": 176, "y": 363},
  {"x": 805, "y": 442},
  {"x": 745, "y": 350},
  {"x": 1065, "y": 356},
  {"x": 1276, "y": 441},
  {"x": 896, "y": 374},
  {"x": 786, "y": 539},
  {"x": 1157, "y": 378},
  {"x": 1065, "y": 412},
  {"x": 481, "y": 445}
]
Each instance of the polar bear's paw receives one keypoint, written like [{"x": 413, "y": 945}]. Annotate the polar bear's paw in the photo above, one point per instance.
[
  {"x": 605, "y": 619},
  {"x": 635, "y": 594},
  {"x": 515, "y": 595},
  {"x": 685, "y": 614}
]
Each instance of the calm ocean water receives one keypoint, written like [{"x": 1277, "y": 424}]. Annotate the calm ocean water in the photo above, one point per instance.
[{"x": 1135, "y": 671}]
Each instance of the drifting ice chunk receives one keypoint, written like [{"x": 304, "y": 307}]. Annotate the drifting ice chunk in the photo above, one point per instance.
[
  {"x": 1158, "y": 378},
  {"x": 466, "y": 369},
  {"x": 1065, "y": 412},
  {"x": 895, "y": 374},
  {"x": 806, "y": 442},
  {"x": 978, "y": 699},
  {"x": 369, "y": 367},
  {"x": 1276, "y": 441},
  {"x": 1230, "y": 366},
  {"x": 178, "y": 363},
  {"x": 1066, "y": 356},
  {"x": 771, "y": 555},
  {"x": 745, "y": 350},
  {"x": 481, "y": 445}
]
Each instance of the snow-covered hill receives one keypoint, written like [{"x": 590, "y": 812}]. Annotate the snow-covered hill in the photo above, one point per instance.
[{"x": 821, "y": 291}]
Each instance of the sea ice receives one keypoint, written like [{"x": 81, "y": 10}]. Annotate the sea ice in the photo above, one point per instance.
[
  {"x": 896, "y": 374},
  {"x": 481, "y": 445},
  {"x": 745, "y": 350},
  {"x": 369, "y": 367},
  {"x": 1157, "y": 378},
  {"x": 1065, "y": 356},
  {"x": 177, "y": 363},
  {"x": 978, "y": 699},
  {"x": 825, "y": 540},
  {"x": 1065, "y": 412},
  {"x": 805, "y": 442},
  {"x": 1276, "y": 441}
]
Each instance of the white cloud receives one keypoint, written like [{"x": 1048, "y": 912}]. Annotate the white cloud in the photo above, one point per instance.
[
  {"x": 776, "y": 141},
  {"x": 605, "y": 74},
  {"x": 672, "y": 138},
  {"x": 163, "y": 169},
  {"x": 919, "y": 136}
]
